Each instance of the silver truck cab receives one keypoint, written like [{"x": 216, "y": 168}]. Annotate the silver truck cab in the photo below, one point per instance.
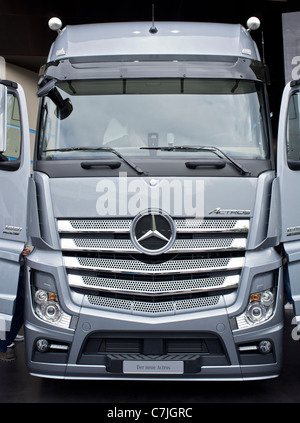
[{"x": 156, "y": 211}]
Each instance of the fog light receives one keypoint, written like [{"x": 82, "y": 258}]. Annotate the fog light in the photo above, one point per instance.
[
  {"x": 265, "y": 347},
  {"x": 42, "y": 345}
]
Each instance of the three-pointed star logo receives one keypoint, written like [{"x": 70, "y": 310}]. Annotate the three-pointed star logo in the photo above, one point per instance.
[{"x": 153, "y": 232}]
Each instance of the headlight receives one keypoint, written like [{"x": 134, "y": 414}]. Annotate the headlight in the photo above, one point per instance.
[
  {"x": 40, "y": 296},
  {"x": 51, "y": 311},
  {"x": 267, "y": 298},
  {"x": 47, "y": 308},
  {"x": 260, "y": 308},
  {"x": 256, "y": 312}
]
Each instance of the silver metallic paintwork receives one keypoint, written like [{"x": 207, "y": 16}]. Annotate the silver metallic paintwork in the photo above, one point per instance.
[{"x": 177, "y": 38}]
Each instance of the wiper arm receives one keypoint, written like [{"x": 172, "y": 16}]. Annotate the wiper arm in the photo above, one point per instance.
[
  {"x": 110, "y": 150},
  {"x": 215, "y": 150},
  {"x": 238, "y": 166}
]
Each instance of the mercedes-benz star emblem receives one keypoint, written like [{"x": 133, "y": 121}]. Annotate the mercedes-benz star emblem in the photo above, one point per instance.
[{"x": 153, "y": 232}]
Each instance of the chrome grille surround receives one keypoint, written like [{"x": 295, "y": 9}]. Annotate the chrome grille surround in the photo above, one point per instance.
[{"x": 204, "y": 264}]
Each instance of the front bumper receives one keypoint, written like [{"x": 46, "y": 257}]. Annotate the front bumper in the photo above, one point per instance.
[{"x": 91, "y": 353}]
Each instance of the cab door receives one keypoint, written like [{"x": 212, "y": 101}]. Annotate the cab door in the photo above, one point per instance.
[
  {"x": 14, "y": 177},
  {"x": 288, "y": 168}
]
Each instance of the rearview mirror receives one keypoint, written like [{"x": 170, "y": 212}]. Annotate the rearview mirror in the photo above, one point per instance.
[
  {"x": 3, "y": 117},
  {"x": 64, "y": 107}
]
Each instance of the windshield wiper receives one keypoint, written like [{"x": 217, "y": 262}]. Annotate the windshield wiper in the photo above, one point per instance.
[
  {"x": 214, "y": 150},
  {"x": 110, "y": 150}
]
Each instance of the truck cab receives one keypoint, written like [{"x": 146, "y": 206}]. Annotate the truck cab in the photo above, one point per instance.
[{"x": 156, "y": 209}]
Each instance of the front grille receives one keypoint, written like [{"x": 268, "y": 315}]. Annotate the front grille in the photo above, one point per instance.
[
  {"x": 105, "y": 344},
  {"x": 203, "y": 264}
]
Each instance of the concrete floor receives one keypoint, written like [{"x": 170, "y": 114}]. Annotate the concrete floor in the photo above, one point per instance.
[{"x": 17, "y": 386}]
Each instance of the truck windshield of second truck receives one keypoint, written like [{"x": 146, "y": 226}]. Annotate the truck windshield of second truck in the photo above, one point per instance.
[{"x": 136, "y": 117}]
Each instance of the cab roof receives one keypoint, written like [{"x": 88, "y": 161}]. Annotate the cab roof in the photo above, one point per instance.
[{"x": 171, "y": 38}]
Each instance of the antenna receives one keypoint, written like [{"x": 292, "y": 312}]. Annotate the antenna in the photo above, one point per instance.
[
  {"x": 153, "y": 29},
  {"x": 263, "y": 47}
]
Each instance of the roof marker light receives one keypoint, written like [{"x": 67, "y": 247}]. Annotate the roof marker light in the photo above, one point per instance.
[
  {"x": 55, "y": 24},
  {"x": 253, "y": 23}
]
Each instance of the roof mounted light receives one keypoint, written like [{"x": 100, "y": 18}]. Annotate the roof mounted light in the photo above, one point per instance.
[
  {"x": 253, "y": 23},
  {"x": 55, "y": 24}
]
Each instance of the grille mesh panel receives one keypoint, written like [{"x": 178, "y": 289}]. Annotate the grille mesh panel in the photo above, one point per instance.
[
  {"x": 211, "y": 225},
  {"x": 134, "y": 266},
  {"x": 180, "y": 245},
  {"x": 154, "y": 308},
  {"x": 100, "y": 224},
  {"x": 111, "y": 225}
]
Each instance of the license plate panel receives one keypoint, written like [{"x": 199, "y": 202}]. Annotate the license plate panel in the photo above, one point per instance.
[{"x": 153, "y": 367}]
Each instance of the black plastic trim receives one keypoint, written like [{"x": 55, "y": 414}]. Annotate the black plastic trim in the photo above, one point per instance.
[
  {"x": 294, "y": 164},
  {"x": 141, "y": 66},
  {"x": 295, "y": 83},
  {"x": 10, "y": 166},
  {"x": 101, "y": 163},
  {"x": 9, "y": 84},
  {"x": 219, "y": 164},
  {"x": 144, "y": 345},
  {"x": 152, "y": 168}
]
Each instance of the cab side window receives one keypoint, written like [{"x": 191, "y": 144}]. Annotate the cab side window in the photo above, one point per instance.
[
  {"x": 10, "y": 158},
  {"x": 293, "y": 132}
]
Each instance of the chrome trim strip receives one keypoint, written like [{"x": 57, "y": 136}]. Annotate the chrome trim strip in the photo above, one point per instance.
[
  {"x": 138, "y": 267},
  {"x": 160, "y": 288},
  {"x": 102, "y": 376}
]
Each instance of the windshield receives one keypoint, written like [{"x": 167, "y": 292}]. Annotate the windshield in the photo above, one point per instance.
[{"x": 129, "y": 115}]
